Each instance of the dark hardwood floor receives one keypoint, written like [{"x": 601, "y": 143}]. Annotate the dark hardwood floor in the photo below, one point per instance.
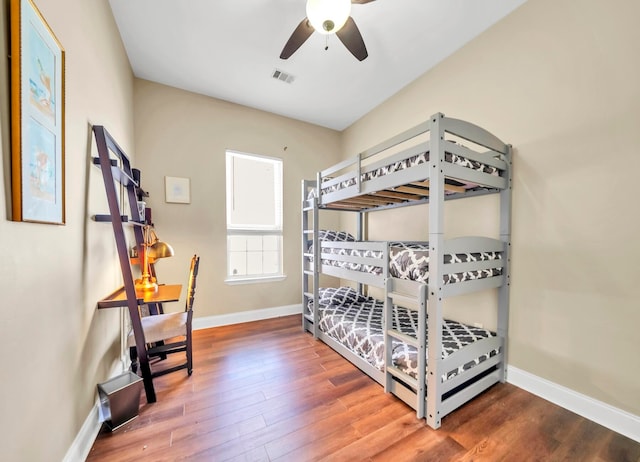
[{"x": 267, "y": 391}]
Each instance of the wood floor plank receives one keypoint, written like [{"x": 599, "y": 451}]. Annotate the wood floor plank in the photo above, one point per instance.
[
  {"x": 620, "y": 447},
  {"x": 373, "y": 443},
  {"x": 421, "y": 446},
  {"x": 322, "y": 446},
  {"x": 267, "y": 391}
]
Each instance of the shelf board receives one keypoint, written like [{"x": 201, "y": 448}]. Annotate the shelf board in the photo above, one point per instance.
[
  {"x": 119, "y": 175},
  {"x": 125, "y": 220}
]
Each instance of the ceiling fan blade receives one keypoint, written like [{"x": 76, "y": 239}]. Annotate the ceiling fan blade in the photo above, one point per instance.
[
  {"x": 299, "y": 36},
  {"x": 352, "y": 39},
  {"x": 361, "y": 2}
]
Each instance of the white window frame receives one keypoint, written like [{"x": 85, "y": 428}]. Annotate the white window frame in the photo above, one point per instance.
[{"x": 254, "y": 229}]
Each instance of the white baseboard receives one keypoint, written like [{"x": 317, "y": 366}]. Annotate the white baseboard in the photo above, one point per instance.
[
  {"x": 245, "y": 316},
  {"x": 81, "y": 446},
  {"x": 608, "y": 416}
]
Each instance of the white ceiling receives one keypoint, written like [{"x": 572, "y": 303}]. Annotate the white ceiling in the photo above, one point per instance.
[{"x": 229, "y": 49}]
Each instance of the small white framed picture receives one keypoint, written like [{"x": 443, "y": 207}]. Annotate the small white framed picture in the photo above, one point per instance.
[{"x": 177, "y": 190}]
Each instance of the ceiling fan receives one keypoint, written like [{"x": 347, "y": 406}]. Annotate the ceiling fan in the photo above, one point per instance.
[{"x": 328, "y": 17}]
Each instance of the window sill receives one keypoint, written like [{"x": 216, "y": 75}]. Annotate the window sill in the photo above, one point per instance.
[{"x": 255, "y": 280}]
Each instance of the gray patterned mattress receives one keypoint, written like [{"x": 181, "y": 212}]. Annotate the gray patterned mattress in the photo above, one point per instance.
[
  {"x": 409, "y": 162},
  {"x": 411, "y": 261},
  {"x": 355, "y": 321},
  {"x": 406, "y": 260}
]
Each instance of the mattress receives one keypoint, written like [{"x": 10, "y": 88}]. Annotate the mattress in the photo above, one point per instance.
[
  {"x": 356, "y": 321},
  {"x": 406, "y": 260},
  {"x": 409, "y": 162},
  {"x": 411, "y": 261}
]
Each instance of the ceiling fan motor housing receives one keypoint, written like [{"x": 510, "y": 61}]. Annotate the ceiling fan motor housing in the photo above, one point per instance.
[{"x": 328, "y": 16}]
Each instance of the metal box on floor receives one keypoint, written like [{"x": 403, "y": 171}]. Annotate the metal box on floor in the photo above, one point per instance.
[{"x": 120, "y": 399}]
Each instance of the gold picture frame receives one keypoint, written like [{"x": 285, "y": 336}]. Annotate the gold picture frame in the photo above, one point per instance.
[{"x": 37, "y": 115}]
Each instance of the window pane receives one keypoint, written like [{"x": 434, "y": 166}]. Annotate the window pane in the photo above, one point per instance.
[
  {"x": 271, "y": 243},
  {"x": 271, "y": 262},
  {"x": 237, "y": 263},
  {"x": 237, "y": 243},
  {"x": 254, "y": 263},
  {"x": 254, "y": 243}
]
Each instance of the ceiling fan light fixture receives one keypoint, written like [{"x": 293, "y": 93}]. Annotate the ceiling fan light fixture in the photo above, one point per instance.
[{"x": 328, "y": 16}]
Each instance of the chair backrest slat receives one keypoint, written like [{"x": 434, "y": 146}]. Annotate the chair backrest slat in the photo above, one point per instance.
[{"x": 191, "y": 288}]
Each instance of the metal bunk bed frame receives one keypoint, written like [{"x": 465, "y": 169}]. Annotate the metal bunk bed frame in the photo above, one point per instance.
[{"x": 428, "y": 394}]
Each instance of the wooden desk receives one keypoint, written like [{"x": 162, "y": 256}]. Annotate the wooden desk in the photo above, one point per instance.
[{"x": 165, "y": 293}]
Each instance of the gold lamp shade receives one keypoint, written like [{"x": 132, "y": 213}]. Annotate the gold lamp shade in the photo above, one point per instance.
[
  {"x": 156, "y": 248},
  {"x": 160, "y": 249}
]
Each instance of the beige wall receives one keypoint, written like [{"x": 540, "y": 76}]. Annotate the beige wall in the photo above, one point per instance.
[
  {"x": 55, "y": 345},
  {"x": 559, "y": 81},
  {"x": 183, "y": 134}
]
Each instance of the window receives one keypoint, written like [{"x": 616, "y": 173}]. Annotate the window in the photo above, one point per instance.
[{"x": 254, "y": 217}]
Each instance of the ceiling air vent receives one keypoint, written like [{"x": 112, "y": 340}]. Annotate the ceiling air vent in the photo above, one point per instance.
[{"x": 280, "y": 75}]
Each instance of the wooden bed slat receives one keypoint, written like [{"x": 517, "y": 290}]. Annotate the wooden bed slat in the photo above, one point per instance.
[
  {"x": 447, "y": 187},
  {"x": 413, "y": 190},
  {"x": 396, "y": 194},
  {"x": 345, "y": 206},
  {"x": 369, "y": 199}
]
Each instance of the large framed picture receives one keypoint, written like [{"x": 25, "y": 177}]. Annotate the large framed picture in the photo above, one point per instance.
[{"x": 37, "y": 114}]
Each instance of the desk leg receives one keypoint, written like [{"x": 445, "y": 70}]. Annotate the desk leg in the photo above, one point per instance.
[
  {"x": 146, "y": 376},
  {"x": 141, "y": 348}
]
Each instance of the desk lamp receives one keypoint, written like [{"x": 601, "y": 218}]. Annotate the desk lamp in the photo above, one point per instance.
[{"x": 152, "y": 249}]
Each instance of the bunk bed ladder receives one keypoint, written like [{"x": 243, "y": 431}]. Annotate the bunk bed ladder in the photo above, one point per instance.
[
  {"x": 310, "y": 272},
  {"x": 393, "y": 375}
]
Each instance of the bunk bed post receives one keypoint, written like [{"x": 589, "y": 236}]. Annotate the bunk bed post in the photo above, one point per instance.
[
  {"x": 505, "y": 236},
  {"x": 387, "y": 323},
  {"x": 422, "y": 353},
  {"x": 360, "y": 234},
  {"x": 360, "y": 226},
  {"x": 436, "y": 262}
]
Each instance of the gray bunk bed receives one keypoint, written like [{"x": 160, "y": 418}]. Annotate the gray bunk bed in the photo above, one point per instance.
[{"x": 403, "y": 342}]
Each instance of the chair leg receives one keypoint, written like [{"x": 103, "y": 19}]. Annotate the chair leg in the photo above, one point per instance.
[
  {"x": 133, "y": 354},
  {"x": 189, "y": 354}
]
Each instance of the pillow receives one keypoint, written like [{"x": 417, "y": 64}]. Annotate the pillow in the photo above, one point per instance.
[
  {"x": 336, "y": 236},
  {"x": 340, "y": 296}
]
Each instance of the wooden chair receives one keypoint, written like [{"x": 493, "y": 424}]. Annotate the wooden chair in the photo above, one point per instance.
[{"x": 170, "y": 332}]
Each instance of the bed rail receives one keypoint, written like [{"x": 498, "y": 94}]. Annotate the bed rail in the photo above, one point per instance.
[
  {"x": 472, "y": 244},
  {"x": 396, "y": 140},
  {"x": 365, "y": 262},
  {"x": 471, "y": 132},
  {"x": 465, "y": 376},
  {"x": 450, "y": 404}
]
